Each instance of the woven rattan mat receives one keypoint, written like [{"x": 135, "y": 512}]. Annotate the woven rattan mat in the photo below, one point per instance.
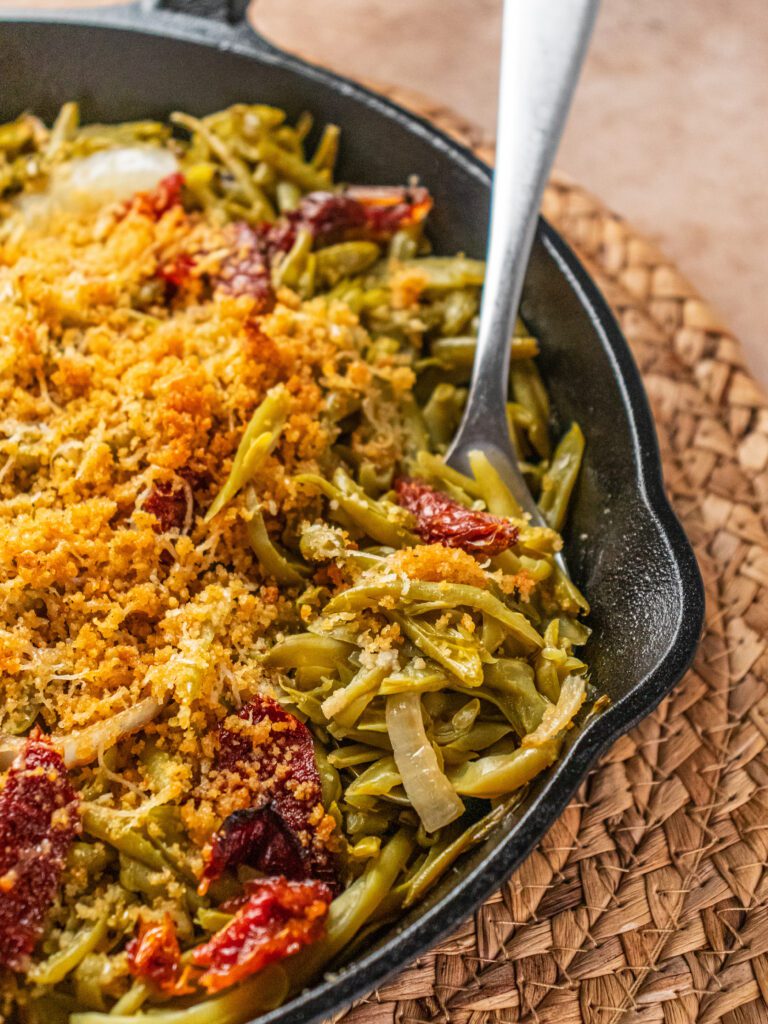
[{"x": 648, "y": 900}]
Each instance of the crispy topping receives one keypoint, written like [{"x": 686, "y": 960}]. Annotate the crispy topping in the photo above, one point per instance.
[
  {"x": 437, "y": 563},
  {"x": 38, "y": 821}
]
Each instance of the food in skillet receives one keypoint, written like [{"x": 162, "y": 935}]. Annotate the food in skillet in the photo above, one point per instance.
[{"x": 269, "y": 667}]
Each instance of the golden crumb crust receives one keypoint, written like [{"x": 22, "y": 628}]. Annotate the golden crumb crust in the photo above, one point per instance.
[{"x": 113, "y": 391}]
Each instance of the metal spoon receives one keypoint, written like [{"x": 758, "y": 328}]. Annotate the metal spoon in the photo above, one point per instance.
[{"x": 543, "y": 46}]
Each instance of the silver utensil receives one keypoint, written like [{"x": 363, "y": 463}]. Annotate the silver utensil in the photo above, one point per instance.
[{"x": 543, "y": 46}]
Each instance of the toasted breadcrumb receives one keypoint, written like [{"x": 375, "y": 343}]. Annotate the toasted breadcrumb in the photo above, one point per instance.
[
  {"x": 109, "y": 388},
  {"x": 436, "y": 563}
]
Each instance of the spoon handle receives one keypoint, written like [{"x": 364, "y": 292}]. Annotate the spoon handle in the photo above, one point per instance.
[{"x": 543, "y": 45}]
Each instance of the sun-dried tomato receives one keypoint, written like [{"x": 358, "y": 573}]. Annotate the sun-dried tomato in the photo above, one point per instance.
[
  {"x": 329, "y": 216},
  {"x": 38, "y": 821},
  {"x": 292, "y": 793},
  {"x": 158, "y": 200},
  {"x": 388, "y": 209},
  {"x": 442, "y": 520},
  {"x": 278, "y": 918},
  {"x": 246, "y": 269},
  {"x": 374, "y": 214},
  {"x": 259, "y": 838},
  {"x": 168, "y": 505},
  {"x": 154, "y": 955},
  {"x": 178, "y": 271}
]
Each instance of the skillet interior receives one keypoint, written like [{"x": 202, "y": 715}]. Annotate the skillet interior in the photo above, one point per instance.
[{"x": 624, "y": 545}]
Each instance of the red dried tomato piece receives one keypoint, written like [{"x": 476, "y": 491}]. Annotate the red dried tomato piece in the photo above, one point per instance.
[
  {"x": 154, "y": 955},
  {"x": 177, "y": 271},
  {"x": 282, "y": 841},
  {"x": 259, "y": 838},
  {"x": 158, "y": 200},
  {"x": 38, "y": 821},
  {"x": 277, "y": 919},
  {"x": 374, "y": 213},
  {"x": 388, "y": 209},
  {"x": 246, "y": 270},
  {"x": 330, "y": 216},
  {"x": 167, "y": 505},
  {"x": 442, "y": 520}
]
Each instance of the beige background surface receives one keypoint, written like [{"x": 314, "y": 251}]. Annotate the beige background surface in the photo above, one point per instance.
[{"x": 669, "y": 126}]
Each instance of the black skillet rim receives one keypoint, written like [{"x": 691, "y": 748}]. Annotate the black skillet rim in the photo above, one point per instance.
[{"x": 362, "y": 975}]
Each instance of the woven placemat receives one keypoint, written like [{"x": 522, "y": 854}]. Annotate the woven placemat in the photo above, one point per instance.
[{"x": 648, "y": 900}]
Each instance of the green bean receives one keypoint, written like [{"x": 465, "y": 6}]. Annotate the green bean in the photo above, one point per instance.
[
  {"x": 253, "y": 195},
  {"x": 264, "y": 991},
  {"x": 137, "y": 877},
  {"x": 290, "y": 268},
  {"x": 381, "y": 521},
  {"x": 64, "y": 128},
  {"x": 353, "y": 754},
  {"x": 442, "y": 414},
  {"x": 103, "y": 823},
  {"x": 455, "y": 352},
  {"x": 288, "y": 194},
  {"x": 479, "y": 737},
  {"x": 306, "y": 649},
  {"x": 92, "y": 858},
  {"x": 335, "y": 262},
  {"x": 273, "y": 561},
  {"x": 132, "y": 1000},
  {"x": 439, "y": 595},
  {"x": 346, "y": 704},
  {"x": 445, "y": 274},
  {"x": 212, "y": 920},
  {"x": 434, "y": 466},
  {"x": 496, "y": 776},
  {"x": 524, "y": 347},
  {"x": 568, "y": 594},
  {"x": 258, "y": 440},
  {"x": 558, "y": 481},
  {"x": 458, "y": 658},
  {"x": 460, "y": 307},
  {"x": 324, "y": 157},
  {"x": 293, "y": 167},
  {"x": 404, "y": 244},
  {"x": 454, "y": 841},
  {"x": 330, "y": 781},
  {"x": 350, "y": 911},
  {"x": 514, "y": 678},
  {"x": 377, "y": 780},
  {"x": 530, "y": 393},
  {"x": 498, "y": 498},
  {"x": 58, "y": 966}
]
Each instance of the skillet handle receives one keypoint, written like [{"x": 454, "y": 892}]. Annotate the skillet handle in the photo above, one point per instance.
[{"x": 228, "y": 12}]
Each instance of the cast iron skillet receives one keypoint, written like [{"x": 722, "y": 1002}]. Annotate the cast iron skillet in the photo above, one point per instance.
[{"x": 624, "y": 544}]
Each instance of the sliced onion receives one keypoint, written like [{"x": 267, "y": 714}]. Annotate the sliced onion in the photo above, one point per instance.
[
  {"x": 107, "y": 176},
  {"x": 82, "y": 747},
  {"x": 431, "y": 794}
]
